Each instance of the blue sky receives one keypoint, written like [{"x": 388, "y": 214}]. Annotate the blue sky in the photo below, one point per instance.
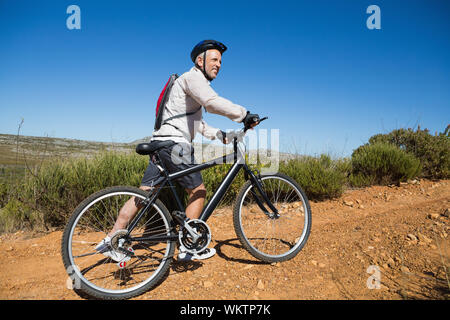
[{"x": 325, "y": 80}]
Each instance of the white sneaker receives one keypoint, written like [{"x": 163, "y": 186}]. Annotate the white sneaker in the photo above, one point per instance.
[
  {"x": 183, "y": 255},
  {"x": 104, "y": 247}
]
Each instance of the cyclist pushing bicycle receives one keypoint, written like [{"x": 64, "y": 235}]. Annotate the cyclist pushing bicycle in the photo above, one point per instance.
[
  {"x": 119, "y": 242},
  {"x": 189, "y": 93}
]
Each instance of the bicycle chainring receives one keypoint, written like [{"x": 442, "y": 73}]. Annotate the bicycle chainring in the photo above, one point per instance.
[{"x": 202, "y": 242}]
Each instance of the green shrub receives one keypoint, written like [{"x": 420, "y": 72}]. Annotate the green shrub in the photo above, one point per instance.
[
  {"x": 382, "y": 164},
  {"x": 50, "y": 193},
  {"x": 320, "y": 178},
  {"x": 16, "y": 215},
  {"x": 4, "y": 192},
  {"x": 432, "y": 151},
  {"x": 58, "y": 187}
]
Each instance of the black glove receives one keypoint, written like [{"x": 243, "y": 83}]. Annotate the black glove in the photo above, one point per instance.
[{"x": 250, "y": 119}]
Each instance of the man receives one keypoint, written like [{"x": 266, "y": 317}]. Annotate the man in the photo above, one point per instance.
[{"x": 189, "y": 93}]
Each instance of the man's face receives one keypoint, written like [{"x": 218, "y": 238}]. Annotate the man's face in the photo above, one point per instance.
[{"x": 213, "y": 63}]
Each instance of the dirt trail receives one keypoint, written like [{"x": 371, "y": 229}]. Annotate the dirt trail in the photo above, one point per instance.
[{"x": 402, "y": 231}]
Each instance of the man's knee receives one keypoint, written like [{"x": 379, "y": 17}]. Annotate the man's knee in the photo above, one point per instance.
[{"x": 137, "y": 201}]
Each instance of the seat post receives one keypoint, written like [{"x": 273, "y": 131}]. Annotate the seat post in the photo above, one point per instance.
[{"x": 159, "y": 163}]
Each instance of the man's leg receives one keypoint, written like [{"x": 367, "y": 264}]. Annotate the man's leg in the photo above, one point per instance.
[
  {"x": 196, "y": 200},
  {"x": 193, "y": 210},
  {"x": 129, "y": 209},
  {"x": 126, "y": 213}
]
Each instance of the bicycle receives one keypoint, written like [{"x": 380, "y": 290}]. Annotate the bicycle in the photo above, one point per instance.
[{"x": 271, "y": 218}]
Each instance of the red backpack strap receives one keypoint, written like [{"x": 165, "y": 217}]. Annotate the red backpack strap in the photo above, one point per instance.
[{"x": 162, "y": 100}]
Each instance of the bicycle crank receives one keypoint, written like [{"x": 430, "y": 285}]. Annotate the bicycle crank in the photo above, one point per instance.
[{"x": 199, "y": 242}]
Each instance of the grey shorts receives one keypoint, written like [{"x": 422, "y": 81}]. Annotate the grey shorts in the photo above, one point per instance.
[{"x": 174, "y": 158}]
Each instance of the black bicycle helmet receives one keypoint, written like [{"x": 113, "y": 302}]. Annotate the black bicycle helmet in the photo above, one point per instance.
[{"x": 204, "y": 45}]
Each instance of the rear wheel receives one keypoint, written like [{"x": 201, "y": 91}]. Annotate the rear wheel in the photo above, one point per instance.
[
  {"x": 268, "y": 237},
  {"x": 97, "y": 276}
]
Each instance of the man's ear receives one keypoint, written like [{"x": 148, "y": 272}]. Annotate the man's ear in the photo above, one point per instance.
[{"x": 199, "y": 62}]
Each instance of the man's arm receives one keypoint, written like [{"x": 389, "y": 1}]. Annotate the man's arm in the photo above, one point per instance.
[
  {"x": 199, "y": 89},
  {"x": 207, "y": 131}
]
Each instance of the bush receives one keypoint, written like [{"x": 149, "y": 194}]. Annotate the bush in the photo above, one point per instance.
[
  {"x": 4, "y": 192},
  {"x": 16, "y": 215},
  {"x": 432, "y": 151},
  {"x": 58, "y": 187},
  {"x": 382, "y": 164},
  {"x": 48, "y": 195},
  {"x": 320, "y": 178}
]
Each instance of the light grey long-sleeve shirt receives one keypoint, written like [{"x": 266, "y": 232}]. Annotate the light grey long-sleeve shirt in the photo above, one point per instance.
[{"x": 190, "y": 91}]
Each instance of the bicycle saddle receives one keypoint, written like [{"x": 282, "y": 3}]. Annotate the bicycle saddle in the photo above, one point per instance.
[{"x": 149, "y": 148}]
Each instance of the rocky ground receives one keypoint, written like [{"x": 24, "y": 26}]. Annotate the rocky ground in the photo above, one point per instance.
[{"x": 397, "y": 234}]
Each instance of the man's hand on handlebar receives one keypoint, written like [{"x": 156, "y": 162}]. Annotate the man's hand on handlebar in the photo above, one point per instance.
[{"x": 251, "y": 120}]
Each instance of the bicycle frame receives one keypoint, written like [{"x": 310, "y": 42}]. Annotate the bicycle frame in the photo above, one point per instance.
[{"x": 238, "y": 160}]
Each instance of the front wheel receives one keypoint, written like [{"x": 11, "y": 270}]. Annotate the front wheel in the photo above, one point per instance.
[{"x": 266, "y": 236}]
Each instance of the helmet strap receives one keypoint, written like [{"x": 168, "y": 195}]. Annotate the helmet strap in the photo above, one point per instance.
[{"x": 204, "y": 67}]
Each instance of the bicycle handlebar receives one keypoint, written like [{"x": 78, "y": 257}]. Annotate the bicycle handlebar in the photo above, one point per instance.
[{"x": 239, "y": 134}]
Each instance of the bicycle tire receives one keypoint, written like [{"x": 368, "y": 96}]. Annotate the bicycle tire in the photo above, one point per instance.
[
  {"x": 87, "y": 286},
  {"x": 252, "y": 225}
]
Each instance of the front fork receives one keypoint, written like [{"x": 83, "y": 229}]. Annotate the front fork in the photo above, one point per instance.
[{"x": 257, "y": 184}]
